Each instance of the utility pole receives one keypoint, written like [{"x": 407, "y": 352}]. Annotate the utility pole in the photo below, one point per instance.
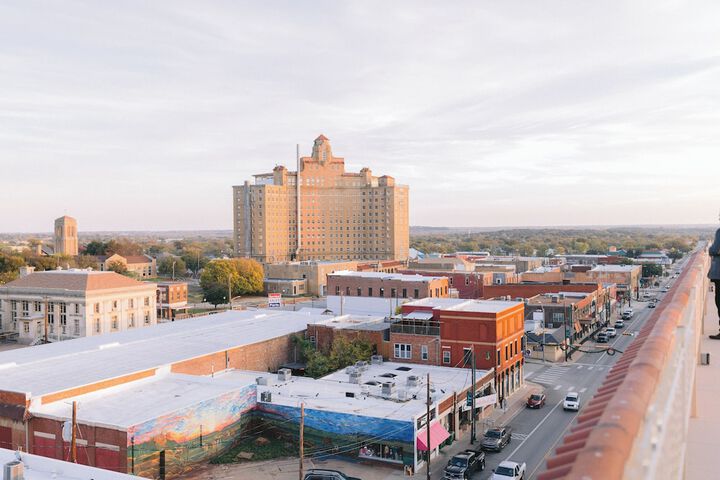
[
  {"x": 46, "y": 319},
  {"x": 473, "y": 433},
  {"x": 229, "y": 292},
  {"x": 302, "y": 429},
  {"x": 427, "y": 427},
  {"x": 73, "y": 438}
]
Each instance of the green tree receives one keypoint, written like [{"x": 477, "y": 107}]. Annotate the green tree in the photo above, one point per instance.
[
  {"x": 343, "y": 352},
  {"x": 95, "y": 247},
  {"x": 651, "y": 270},
  {"x": 165, "y": 266},
  {"x": 118, "y": 267},
  {"x": 241, "y": 276},
  {"x": 10, "y": 267},
  {"x": 87, "y": 261}
]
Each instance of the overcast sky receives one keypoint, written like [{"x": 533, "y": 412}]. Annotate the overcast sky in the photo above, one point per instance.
[{"x": 142, "y": 115}]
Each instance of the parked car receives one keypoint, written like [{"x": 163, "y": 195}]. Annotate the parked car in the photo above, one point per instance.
[
  {"x": 652, "y": 305},
  {"x": 572, "y": 401},
  {"x": 324, "y": 474},
  {"x": 536, "y": 400},
  {"x": 601, "y": 337},
  {"x": 496, "y": 439},
  {"x": 509, "y": 470},
  {"x": 463, "y": 465},
  {"x": 619, "y": 324},
  {"x": 610, "y": 332}
]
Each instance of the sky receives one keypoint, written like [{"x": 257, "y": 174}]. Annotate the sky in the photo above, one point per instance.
[{"x": 142, "y": 115}]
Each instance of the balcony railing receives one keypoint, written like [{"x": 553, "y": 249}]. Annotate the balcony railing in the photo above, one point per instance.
[
  {"x": 415, "y": 327},
  {"x": 636, "y": 425}
]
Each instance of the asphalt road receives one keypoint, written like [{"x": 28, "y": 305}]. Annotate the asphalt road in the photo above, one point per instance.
[{"x": 536, "y": 433}]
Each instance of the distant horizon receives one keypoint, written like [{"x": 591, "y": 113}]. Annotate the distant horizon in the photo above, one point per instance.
[{"x": 475, "y": 229}]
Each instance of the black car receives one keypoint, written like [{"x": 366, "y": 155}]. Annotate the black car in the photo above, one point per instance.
[
  {"x": 324, "y": 474},
  {"x": 464, "y": 464},
  {"x": 496, "y": 439}
]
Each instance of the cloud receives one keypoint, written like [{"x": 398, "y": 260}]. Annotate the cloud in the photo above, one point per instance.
[{"x": 142, "y": 116}]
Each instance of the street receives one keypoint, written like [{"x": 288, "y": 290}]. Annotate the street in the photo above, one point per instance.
[{"x": 536, "y": 433}]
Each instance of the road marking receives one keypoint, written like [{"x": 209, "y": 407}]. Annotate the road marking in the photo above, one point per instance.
[
  {"x": 590, "y": 368},
  {"x": 570, "y": 389},
  {"x": 534, "y": 430},
  {"x": 582, "y": 390},
  {"x": 557, "y": 387},
  {"x": 519, "y": 436},
  {"x": 579, "y": 367}
]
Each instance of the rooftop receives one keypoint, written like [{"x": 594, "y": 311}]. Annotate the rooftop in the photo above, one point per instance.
[
  {"x": 77, "y": 280},
  {"x": 55, "y": 367},
  {"x": 37, "y": 467},
  {"x": 615, "y": 268},
  {"x": 463, "y": 305},
  {"x": 568, "y": 298},
  {"x": 385, "y": 276},
  {"x": 354, "y": 322}
]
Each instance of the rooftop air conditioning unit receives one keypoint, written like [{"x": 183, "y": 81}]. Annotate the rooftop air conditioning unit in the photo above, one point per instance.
[
  {"x": 266, "y": 397},
  {"x": 355, "y": 377},
  {"x": 413, "y": 381},
  {"x": 361, "y": 365},
  {"x": 349, "y": 370},
  {"x": 388, "y": 389},
  {"x": 403, "y": 395},
  {"x": 284, "y": 374},
  {"x": 376, "y": 360},
  {"x": 14, "y": 470},
  {"x": 261, "y": 380}
]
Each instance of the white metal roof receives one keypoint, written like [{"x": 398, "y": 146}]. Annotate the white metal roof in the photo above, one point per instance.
[
  {"x": 58, "y": 366},
  {"x": 37, "y": 467}
]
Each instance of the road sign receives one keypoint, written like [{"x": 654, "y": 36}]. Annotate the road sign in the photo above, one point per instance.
[
  {"x": 274, "y": 300},
  {"x": 469, "y": 399}
]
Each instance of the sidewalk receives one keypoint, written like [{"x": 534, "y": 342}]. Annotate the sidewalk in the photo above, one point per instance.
[{"x": 702, "y": 441}]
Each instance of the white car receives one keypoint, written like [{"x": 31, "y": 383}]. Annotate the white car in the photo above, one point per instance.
[
  {"x": 572, "y": 401},
  {"x": 611, "y": 332},
  {"x": 509, "y": 470}
]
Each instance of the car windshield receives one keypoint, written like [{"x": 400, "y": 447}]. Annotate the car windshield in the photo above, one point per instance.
[
  {"x": 536, "y": 398},
  {"x": 458, "y": 462},
  {"x": 505, "y": 471},
  {"x": 493, "y": 434},
  {"x": 571, "y": 398}
]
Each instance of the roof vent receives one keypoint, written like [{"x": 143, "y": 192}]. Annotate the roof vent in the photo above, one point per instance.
[
  {"x": 403, "y": 395},
  {"x": 361, "y": 365},
  {"x": 266, "y": 397},
  {"x": 412, "y": 381},
  {"x": 261, "y": 380},
  {"x": 284, "y": 375},
  {"x": 14, "y": 470},
  {"x": 376, "y": 360},
  {"x": 356, "y": 377}
]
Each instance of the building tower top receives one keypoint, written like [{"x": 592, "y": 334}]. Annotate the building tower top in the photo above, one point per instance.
[{"x": 322, "y": 152}]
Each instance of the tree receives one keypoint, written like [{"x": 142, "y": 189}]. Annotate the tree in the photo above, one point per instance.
[
  {"x": 239, "y": 276},
  {"x": 118, "y": 267},
  {"x": 10, "y": 267},
  {"x": 87, "y": 261},
  {"x": 95, "y": 247},
  {"x": 651, "y": 270},
  {"x": 166, "y": 267},
  {"x": 343, "y": 352}
]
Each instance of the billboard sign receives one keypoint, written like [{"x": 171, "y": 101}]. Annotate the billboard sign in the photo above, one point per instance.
[{"x": 274, "y": 300}]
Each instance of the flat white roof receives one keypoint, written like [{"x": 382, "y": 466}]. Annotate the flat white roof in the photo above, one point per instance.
[
  {"x": 37, "y": 467},
  {"x": 136, "y": 402},
  {"x": 403, "y": 277},
  {"x": 54, "y": 367},
  {"x": 330, "y": 393},
  {"x": 352, "y": 321},
  {"x": 615, "y": 268},
  {"x": 464, "y": 305}
]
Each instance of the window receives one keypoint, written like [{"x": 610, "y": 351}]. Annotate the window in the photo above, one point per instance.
[
  {"x": 382, "y": 292},
  {"x": 424, "y": 352},
  {"x": 347, "y": 291},
  {"x": 26, "y": 327},
  {"x": 147, "y": 319},
  {"x": 417, "y": 293},
  {"x": 131, "y": 321},
  {"x": 516, "y": 347},
  {"x": 467, "y": 281},
  {"x": 76, "y": 326},
  {"x": 36, "y": 306},
  {"x": 97, "y": 326},
  {"x": 25, "y": 307},
  {"x": 147, "y": 301},
  {"x": 359, "y": 291},
  {"x": 337, "y": 289},
  {"x": 498, "y": 357},
  {"x": 446, "y": 356},
  {"x": 506, "y": 352},
  {"x": 403, "y": 350},
  {"x": 404, "y": 293},
  {"x": 558, "y": 317},
  {"x": 114, "y": 322},
  {"x": 97, "y": 308},
  {"x": 77, "y": 309},
  {"x": 132, "y": 303},
  {"x": 467, "y": 356},
  {"x": 114, "y": 304},
  {"x": 487, "y": 355},
  {"x": 370, "y": 292}
]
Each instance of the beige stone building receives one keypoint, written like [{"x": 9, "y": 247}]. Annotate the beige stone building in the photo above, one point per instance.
[
  {"x": 79, "y": 303},
  {"x": 321, "y": 212},
  {"x": 144, "y": 266},
  {"x": 66, "y": 236},
  {"x": 314, "y": 272}
]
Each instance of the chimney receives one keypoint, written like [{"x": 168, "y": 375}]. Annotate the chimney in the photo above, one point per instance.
[{"x": 26, "y": 270}]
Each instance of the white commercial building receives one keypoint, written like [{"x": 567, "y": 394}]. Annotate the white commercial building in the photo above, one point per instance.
[{"x": 78, "y": 303}]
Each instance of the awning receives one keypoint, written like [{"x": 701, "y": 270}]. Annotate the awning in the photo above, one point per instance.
[{"x": 438, "y": 434}]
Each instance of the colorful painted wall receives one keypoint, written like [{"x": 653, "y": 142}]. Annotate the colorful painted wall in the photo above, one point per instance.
[
  {"x": 191, "y": 435},
  {"x": 328, "y": 433}
]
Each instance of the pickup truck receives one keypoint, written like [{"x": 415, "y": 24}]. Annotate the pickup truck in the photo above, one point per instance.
[
  {"x": 496, "y": 439},
  {"x": 463, "y": 465},
  {"x": 508, "y": 470}
]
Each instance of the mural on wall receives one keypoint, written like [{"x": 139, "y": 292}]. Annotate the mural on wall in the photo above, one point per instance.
[
  {"x": 190, "y": 435},
  {"x": 344, "y": 433}
]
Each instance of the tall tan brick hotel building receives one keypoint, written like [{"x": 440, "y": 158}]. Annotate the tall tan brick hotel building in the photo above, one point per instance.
[{"x": 321, "y": 212}]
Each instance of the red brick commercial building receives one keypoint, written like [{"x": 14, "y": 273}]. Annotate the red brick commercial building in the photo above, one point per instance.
[
  {"x": 467, "y": 284},
  {"x": 492, "y": 330},
  {"x": 171, "y": 299}
]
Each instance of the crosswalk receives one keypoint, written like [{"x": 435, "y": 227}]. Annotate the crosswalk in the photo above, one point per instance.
[
  {"x": 519, "y": 436},
  {"x": 553, "y": 376}
]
